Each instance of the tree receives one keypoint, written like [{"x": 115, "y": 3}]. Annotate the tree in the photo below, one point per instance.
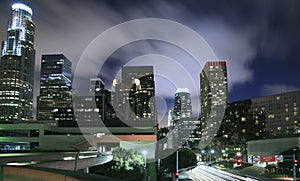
[
  {"x": 126, "y": 165},
  {"x": 186, "y": 158}
]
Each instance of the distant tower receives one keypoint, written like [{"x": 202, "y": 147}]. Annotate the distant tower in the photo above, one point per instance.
[
  {"x": 170, "y": 118},
  {"x": 182, "y": 104},
  {"x": 214, "y": 97},
  {"x": 182, "y": 113},
  {"x": 96, "y": 85},
  {"x": 55, "y": 100},
  {"x": 17, "y": 66}
]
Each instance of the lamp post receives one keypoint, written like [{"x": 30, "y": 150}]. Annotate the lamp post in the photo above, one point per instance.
[
  {"x": 176, "y": 169},
  {"x": 223, "y": 152},
  {"x": 144, "y": 152},
  {"x": 78, "y": 150},
  {"x": 202, "y": 154},
  {"x": 211, "y": 153}
]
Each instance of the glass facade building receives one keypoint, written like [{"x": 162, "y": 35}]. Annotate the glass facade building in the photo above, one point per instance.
[
  {"x": 55, "y": 100},
  {"x": 17, "y": 66}
]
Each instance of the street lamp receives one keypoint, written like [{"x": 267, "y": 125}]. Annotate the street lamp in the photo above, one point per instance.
[
  {"x": 211, "y": 153},
  {"x": 223, "y": 152},
  {"x": 144, "y": 152},
  {"x": 202, "y": 155}
]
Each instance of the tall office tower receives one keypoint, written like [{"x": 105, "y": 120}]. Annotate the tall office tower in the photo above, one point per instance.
[
  {"x": 182, "y": 113},
  {"x": 182, "y": 104},
  {"x": 214, "y": 97},
  {"x": 134, "y": 100},
  {"x": 17, "y": 66},
  {"x": 55, "y": 100}
]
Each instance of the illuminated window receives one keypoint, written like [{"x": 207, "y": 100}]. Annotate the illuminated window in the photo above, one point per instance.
[
  {"x": 287, "y": 118},
  {"x": 271, "y": 116},
  {"x": 279, "y": 128},
  {"x": 243, "y": 119}
]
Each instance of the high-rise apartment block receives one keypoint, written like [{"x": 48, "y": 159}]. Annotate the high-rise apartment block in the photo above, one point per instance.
[
  {"x": 55, "y": 100},
  {"x": 17, "y": 66},
  {"x": 214, "y": 97}
]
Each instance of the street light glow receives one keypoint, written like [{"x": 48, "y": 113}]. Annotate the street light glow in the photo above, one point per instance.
[{"x": 144, "y": 152}]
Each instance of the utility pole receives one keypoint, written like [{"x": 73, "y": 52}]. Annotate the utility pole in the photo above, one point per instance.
[
  {"x": 295, "y": 162},
  {"x": 176, "y": 163}
]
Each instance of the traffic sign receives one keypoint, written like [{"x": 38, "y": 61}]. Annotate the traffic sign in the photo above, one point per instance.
[
  {"x": 279, "y": 158},
  {"x": 256, "y": 158}
]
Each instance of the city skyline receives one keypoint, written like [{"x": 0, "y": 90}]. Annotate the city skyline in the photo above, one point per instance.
[{"x": 261, "y": 56}]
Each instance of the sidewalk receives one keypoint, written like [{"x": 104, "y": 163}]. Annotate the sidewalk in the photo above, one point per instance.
[
  {"x": 258, "y": 173},
  {"x": 252, "y": 172},
  {"x": 282, "y": 178}
]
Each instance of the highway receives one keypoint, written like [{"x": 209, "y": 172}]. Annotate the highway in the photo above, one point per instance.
[{"x": 207, "y": 173}]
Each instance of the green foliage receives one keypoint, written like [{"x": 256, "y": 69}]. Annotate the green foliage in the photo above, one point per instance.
[
  {"x": 126, "y": 165},
  {"x": 127, "y": 159},
  {"x": 186, "y": 158}
]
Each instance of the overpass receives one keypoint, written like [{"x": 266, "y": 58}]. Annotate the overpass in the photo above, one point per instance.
[{"x": 71, "y": 161}]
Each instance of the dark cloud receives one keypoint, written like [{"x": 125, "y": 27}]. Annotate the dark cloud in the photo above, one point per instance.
[
  {"x": 277, "y": 88},
  {"x": 236, "y": 30}
]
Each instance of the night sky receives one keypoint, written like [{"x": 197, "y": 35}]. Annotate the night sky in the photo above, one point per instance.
[{"x": 259, "y": 39}]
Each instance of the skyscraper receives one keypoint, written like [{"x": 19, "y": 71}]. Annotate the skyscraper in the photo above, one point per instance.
[
  {"x": 182, "y": 104},
  {"x": 214, "y": 97},
  {"x": 17, "y": 66},
  {"x": 55, "y": 100},
  {"x": 182, "y": 115},
  {"x": 133, "y": 97}
]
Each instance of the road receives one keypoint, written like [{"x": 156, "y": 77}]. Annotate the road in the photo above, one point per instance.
[{"x": 206, "y": 173}]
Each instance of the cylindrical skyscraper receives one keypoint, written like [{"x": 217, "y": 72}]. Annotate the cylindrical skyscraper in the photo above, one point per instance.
[{"x": 17, "y": 66}]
